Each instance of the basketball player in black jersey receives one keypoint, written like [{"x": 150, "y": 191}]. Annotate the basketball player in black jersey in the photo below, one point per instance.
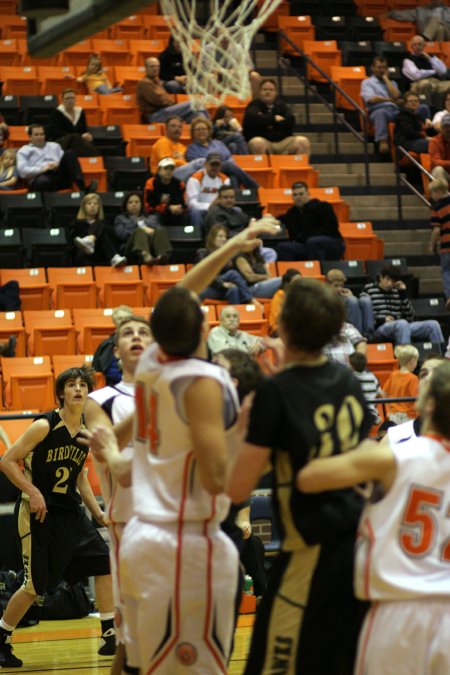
[
  {"x": 57, "y": 538},
  {"x": 308, "y": 620}
]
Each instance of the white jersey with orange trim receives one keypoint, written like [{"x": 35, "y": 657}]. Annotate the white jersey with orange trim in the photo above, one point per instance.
[
  {"x": 403, "y": 544},
  {"x": 118, "y": 403},
  {"x": 166, "y": 483}
]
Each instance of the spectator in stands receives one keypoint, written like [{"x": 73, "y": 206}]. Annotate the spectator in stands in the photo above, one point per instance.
[
  {"x": 95, "y": 78},
  {"x": 381, "y": 96},
  {"x": 347, "y": 341},
  {"x": 312, "y": 227},
  {"x": 440, "y": 114},
  {"x": 9, "y": 175},
  {"x": 256, "y": 273},
  {"x": 358, "y": 310},
  {"x": 89, "y": 232},
  {"x": 229, "y": 285},
  {"x": 432, "y": 21},
  {"x": 427, "y": 73},
  {"x": 439, "y": 149},
  {"x": 369, "y": 382},
  {"x": 68, "y": 127},
  {"x": 170, "y": 146},
  {"x": 164, "y": 196},
  {"x": 4, "y": 132},
  {"x": 172, "y": 68},
  {"x": 46, "y": 167},
  {"x": 104, "y": 360},
  {"x": 410, "y": 129},
  {"x": 142, "y": 238},
  {"x": 155, "y": 102},
  {"x": 269, "y": 125},
  {"x": 440, "y": 233},
  {"x": 203, "y": 186},
  {"x": 402, "y": 383},
  {"x": 276, "y": 304},
  {"x": 228, "y": 336},
  {"x": 393, "y": 313},
  {"x": 226, "y": 128},
  {"x": 203, "y": 144}
]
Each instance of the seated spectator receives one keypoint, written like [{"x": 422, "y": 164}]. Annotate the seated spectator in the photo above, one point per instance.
[
  {"x": 256, "y": 273},
  {"x": 164, "y": 196},
  {"x": 104, "y": 360},
  {"x": 155, "y": 103},
  {"x": 439, "y": 115},
  {"x": 4, "y": 132},
  {"x": 369, "y": 382},
  {"x": 432, "y": 21},
  {"x": 142, "y": 239},
  {"x": 68, "y": 127},
  {"x": 226, "y": 128},
  {"x": 203, "y": 144},
  {"x": 224, "y": 211},
  {"x": 172, "y": 71},
  {"x": 170, "y": 146},
  {"x": 269, "y": 125},
  {"x": 358, "y": 310},
  {"x": 288, "y": 277},
  {"x": 203, "y": 187},
  {"x": 46, "y": 167},
  {"x": 347, "y": 341},
  {"x": 439, "y": 149},
  {"x": 95, "y": 78},
  {"x": 228, "y": 336},
  {"x": 403, "y": 383},
  {"x": 440, "y": 233},
  {"x": 9, "y": 175},
  {"x": 410, "y": 130},
  {"x": 426, "y": 73},
  {"x": 393, "y": 313},
  {"x": 89, "y": 232},
  {"x": 229, "y": 285},
  {"x": 312, "y": 227}
]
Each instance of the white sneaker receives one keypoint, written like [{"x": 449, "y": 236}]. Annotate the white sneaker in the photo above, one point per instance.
[
  {"x": 118, "y": 260},
  {"x": 86, "y": 244}
]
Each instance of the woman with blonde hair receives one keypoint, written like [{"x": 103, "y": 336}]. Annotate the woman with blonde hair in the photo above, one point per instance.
[
  {"x": 89, "y": 232},
  {"x": 95, "y": 77},
  {"x": 8, "y": 170}
]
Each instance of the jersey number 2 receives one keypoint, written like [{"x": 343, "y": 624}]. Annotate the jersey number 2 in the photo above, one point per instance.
[
  {"x": 62, "y": 474},
  {"x": 419, "y": 527}
]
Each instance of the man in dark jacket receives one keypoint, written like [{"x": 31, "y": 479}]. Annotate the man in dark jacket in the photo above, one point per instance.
[
  {"x": 164, "y": 195},
  {"x": 269, "y": 125},
  {"x": 312, "y": 227},
  {"x": 410, "y": 129},
  {"x": 68, "y": 127}
]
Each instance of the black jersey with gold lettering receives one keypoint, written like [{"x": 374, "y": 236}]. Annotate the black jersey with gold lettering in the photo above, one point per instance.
[
  {"x": 302, "y": 413},
  {"x": 55, "y": 464}
]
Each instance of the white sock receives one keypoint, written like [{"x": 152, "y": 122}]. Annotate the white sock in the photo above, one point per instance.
[{"x": 6, "y": 627}]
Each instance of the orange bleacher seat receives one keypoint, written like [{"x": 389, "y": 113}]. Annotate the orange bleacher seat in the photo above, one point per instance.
[
  {"x": 15, "y": 428},
  {"x": 55, "y": 79},
  {"x": 49, "y": 332},
  {"x": 61, "y": 362},
  {"x": 8, "y": 7},
  {"x": 141, "y": 138},
  {"x": 113, "y": 52},
  {"x": 120, "y": 109},
  {"x": 28, "y": 60},
  {"x": 349, "y": 78},
  {"x": 72, "y": 287},
  {"x": 252, "y": 319},
  {"x": 93, "y": 326},
  {"x": 93, "y": 167},
  {"x": 143, "y": 49},
  {"x": 130, "y": 27},
  {"x": 128, "y": 77},
  {"x": 156, "y": 27},
  {"x": 290, "y": 168},
  {"x": 77, "y": 54},
  {"x": 28, "y": 383},
  {"x": 325, "y": 53},
  {"x": 258, "y": 167},
  {"x": 237, "y": 105},
  {"x": 271, "y": 23},
  {"x": 308, "y": 268},
  {"x": 17, "y": 137},
  {"x": 9, "y": 53},
  {"x": 20, "y": 80},
  {"x": 91, "y": 106},
  {"x": 159, "y": 278},
  {"x": 14, "y": 27},
  {"x": 397, "y": 31},
  {"x": 371, "y": 7},
  {"x": 279, "y": 200},
  {"x": 360, "y": 242},
  {"x": 33, "y": 287},
  {"x": 381, "y": 360},
  {"x": 119, "y": 286},
  {"x": 297, "y": 29},
  {"x": 211, "y": 313},
  {"x": 11, "y": 323}
]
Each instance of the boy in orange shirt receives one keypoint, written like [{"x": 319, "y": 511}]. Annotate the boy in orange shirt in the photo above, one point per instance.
[{"x": 402, "y": 383}]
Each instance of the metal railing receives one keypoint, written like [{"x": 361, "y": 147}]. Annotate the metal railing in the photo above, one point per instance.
[
  {"x": 338, "y": 118},
  {"x": 401, "y": 152}
]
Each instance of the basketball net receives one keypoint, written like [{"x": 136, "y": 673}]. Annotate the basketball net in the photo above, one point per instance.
[{"x": 216, "y": 56}]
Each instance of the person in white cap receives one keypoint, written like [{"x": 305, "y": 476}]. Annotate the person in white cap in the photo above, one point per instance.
[{"x": 164, "y": 195}]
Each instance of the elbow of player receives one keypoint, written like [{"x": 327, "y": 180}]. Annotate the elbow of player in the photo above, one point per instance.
[{"x": 305, "y": 480}]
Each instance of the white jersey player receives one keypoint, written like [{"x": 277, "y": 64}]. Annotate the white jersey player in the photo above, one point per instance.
[{"x": 403, "y": 546}]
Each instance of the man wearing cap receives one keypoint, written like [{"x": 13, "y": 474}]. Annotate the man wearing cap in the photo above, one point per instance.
[
  {"x": 164, "y": 195},
  {"x": 439, "y": 149},
  {"x": 203, "y": 186}
]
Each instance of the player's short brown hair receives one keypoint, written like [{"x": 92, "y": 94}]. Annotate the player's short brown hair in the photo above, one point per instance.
[
  {"x": 177, "y": 321},
  {"x": 85, "y": 373}
]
